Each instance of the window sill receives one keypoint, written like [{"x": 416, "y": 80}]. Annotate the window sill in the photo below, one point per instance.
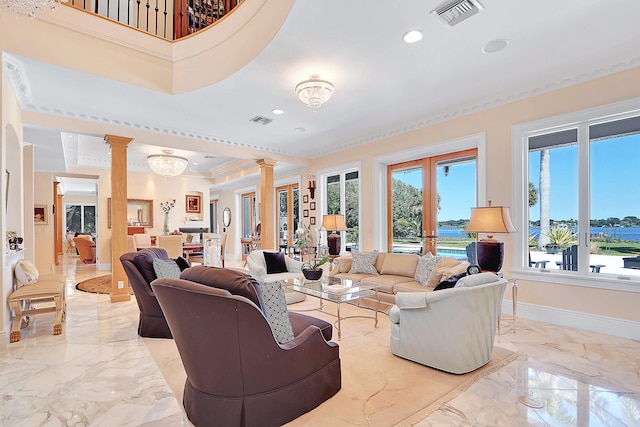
[{"x": 591, "y": 280}]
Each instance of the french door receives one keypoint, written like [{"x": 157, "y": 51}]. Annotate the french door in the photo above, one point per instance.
[
  {"x": 428, "y": 197},
  {"x": 288, "y": 200},
  {"x": 248, "y": 218}
]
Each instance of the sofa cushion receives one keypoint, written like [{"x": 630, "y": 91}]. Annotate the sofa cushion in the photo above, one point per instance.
[
  {"x": 457, "y": 269},
  {"x": 400, "y": 264},
  {"x": 426, "y": 264},
  {"x": 275, "y": 262},
  {"x": 275, "y": 306},
  {"x": 411, "y": 286},
  {"x": 359, "y": 277},
  {"x": 166, "y": 268},
  {"x": 345, "y": 264},
  {"x": 443, "y": 266},
  {"x": 477, "y": 279},
  {"x": 449, "y": 282},
  {"x": 363, "y": 262}
]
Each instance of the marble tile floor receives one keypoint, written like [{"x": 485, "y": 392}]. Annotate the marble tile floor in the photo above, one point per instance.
[{"x": 100, "y": 373}]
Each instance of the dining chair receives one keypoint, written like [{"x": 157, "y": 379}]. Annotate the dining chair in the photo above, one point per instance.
[
  {"x": 172, "y": 244},
  {"x": 142, "y": 240}
]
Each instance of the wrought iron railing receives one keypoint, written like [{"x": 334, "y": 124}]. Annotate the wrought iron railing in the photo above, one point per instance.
[{"x": 170, "y": 19}]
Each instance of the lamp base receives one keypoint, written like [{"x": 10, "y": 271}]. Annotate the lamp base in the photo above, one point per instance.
[
  {"x": 333, "y": 241},
  {"x": 490, "y": 255}
]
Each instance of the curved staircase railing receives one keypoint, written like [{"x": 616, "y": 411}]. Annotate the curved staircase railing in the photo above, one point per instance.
[{"x": 169, "y": 19}]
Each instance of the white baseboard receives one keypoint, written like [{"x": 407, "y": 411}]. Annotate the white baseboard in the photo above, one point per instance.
[{"x": 590, "y": 322}]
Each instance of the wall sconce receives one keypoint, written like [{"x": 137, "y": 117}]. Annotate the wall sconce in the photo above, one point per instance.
[{"x": 312, "y": 188}]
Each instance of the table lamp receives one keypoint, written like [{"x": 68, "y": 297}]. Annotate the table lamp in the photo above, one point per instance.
[
  {"x": 334, "y": 223},
  {"x": 490, "y": 219}
]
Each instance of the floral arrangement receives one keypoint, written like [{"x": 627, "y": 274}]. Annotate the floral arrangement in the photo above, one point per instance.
[
  {"x": 11, "y": 235},
  {"x": 304, "y": 237},
  {"x": 168, "y": 205}
]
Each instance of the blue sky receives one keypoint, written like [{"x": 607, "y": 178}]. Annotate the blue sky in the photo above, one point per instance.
[
  {"x": 615, "y": 172},
  {"x": 457, "y": 192},
  {"x": 615, "y": 164}
]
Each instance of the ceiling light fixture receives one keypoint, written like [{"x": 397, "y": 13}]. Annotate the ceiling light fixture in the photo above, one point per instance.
[
  {"x": 412, "y": 36},
  {"x": 277, "y": 111},
  {"x": 167, "y": 164},
  {"x": 314, "y": 92},
  {"x": 28, "y": 7},
  {"x": 495, "y": 46}
]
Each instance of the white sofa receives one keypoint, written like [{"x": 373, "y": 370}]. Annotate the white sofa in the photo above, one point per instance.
[
  {"x": 452, "y": 329},
  {"x": 258, "y": 269}
]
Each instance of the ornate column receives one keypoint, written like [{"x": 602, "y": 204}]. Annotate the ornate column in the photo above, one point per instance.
[
  {"x": 267, "y": 203},
  {"x": 119, "y": 144}
]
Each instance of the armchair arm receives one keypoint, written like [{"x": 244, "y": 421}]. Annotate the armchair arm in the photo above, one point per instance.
[
  {"x": 256, "y": 270},
  {"x": 293, "y": 266}
]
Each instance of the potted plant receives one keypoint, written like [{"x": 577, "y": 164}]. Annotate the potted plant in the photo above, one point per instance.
[
  {"x": 559, "y": 236},
  {"x": 312, "y": 271}
]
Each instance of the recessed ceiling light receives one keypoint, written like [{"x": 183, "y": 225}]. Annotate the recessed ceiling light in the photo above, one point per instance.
[
  {"x": 495, "y": 46},
  {"x": 413, "y": 36},
  {"x": 195, "y": 163},
  {"x": 277, "y": 111},
  {"x": 300, "y": 129}
]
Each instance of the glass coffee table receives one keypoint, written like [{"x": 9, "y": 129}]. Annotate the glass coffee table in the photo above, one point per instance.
[{"x": 335, "y": 290}]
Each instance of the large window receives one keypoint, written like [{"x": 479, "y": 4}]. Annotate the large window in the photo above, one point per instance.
[
  {"x": 581, "y": 214},
  {"x": 342, "y": 197},
  {"x": 81, "y": 218}
]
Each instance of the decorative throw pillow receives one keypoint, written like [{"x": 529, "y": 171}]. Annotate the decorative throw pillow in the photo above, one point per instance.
[
  {"x": 275, "y": 307},
  {"x": 275, "y": 262},
  {"x": 426, "y": 264},
  {"x": 166, "y": 268},
  {"x": 449, "y": 282},
  {"x": 363, "y": 263},
  {"x": 26, "y": 273},
  {"x": 345, "y": 265},
  {"x": 460, "y": 268},
  {"x": 183, "y": 264}
]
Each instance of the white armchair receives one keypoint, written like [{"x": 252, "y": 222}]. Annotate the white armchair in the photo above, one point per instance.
[
  {"x": 257, "y": 267},
  {"x": 452, "y": 329}
]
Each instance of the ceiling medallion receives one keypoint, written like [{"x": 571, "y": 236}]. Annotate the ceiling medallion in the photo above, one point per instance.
[{"x": 314, "y": 92}]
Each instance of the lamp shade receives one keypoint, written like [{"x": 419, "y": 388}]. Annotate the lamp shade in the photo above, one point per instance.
[
  {"x": 491, "y": 219},
  {"x": 334, "y": 222}
]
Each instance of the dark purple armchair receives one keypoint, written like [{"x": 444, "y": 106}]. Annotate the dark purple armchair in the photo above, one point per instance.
[
  {"x": 140, "y": 272},
  {"x": 237, "y": 373}
]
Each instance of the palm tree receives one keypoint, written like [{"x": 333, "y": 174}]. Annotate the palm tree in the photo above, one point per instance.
[{"x": 545, "y": 193}]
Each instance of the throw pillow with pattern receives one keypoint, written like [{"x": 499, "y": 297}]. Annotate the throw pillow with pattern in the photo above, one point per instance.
[
  {"x": 363, "y": 263},
  {"x": 276, "y": 310},
  {"x": 166, "y": 268},
  {"x": 426, "y": 264}
]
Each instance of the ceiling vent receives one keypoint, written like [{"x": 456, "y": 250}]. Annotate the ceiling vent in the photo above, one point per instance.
[
  {"x": 261, "y": 119},
  {"x": 454, "y": 12}
]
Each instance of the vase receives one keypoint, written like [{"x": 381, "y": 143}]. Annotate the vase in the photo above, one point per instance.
[{"x": 167, "y": 227}]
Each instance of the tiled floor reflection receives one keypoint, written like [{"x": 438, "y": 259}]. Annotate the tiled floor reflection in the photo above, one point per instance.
[{"x": 100, "y": 373}]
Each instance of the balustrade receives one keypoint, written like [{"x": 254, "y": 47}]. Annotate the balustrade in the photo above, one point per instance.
[{"x": 170, "y": 19}]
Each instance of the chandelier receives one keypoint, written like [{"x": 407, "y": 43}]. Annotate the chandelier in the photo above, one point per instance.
[
  {"x": 166, "y": 164},
  {"x": 314, "y": 92},
  {"x": 28, "y": 7}
]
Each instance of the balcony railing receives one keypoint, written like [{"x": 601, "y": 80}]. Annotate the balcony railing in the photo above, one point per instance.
[{"x": 169, "y": 19}]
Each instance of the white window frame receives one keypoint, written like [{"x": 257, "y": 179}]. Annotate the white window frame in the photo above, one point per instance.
[
  {"x": 321, "y": 197},
  {"x": 520, "y": 207}
]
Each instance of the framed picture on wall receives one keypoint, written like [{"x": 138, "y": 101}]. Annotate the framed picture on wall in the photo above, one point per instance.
[
  {"x": 40, "y": 216},
  {"x": 312, "y": 206},
  {"x": 193, "y": 204},
  {"x": 305, "y": 213},
  {"x": 305, "y": 198},
  {"x": 312, "y": 220}
]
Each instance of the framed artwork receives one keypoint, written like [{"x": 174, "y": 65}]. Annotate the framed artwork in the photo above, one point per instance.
[
  {"x": 193, "y": 204},
  {"x": 305, "y": 198},
  {"x": 312, "y": 220},
  {"x": 312, "y": 206},
  {"x": 305, "y": 213},
  {"x": 40, "y": 216}
]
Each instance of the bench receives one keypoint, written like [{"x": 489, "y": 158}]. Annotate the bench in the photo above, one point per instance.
[{"x": 31, "y": 289}]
